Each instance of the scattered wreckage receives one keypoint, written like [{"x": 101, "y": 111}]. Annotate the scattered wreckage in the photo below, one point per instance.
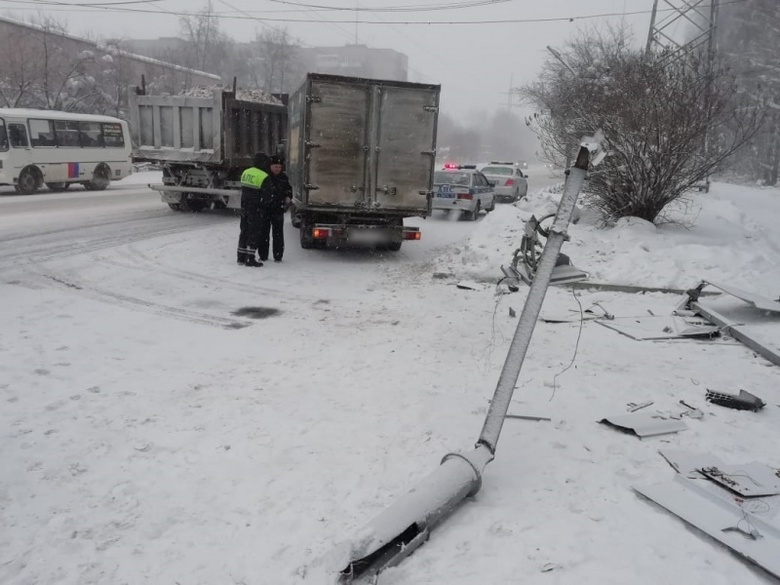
[{"x": 737, "y": 505}]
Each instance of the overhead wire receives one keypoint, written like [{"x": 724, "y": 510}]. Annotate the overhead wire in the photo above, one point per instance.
[
  {"x": 245, "y": 14},
  {"x": 408, "y": 8}
]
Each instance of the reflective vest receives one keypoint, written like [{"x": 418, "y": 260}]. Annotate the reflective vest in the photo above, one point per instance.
[{"x": 253, "y": 178}]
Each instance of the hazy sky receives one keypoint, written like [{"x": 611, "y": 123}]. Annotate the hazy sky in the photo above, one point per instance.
[{"x": 475, "y": 63}]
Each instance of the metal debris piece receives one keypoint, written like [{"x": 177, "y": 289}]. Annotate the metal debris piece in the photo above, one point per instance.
[
  {"x": 758, "y": 301},
  {"x": 469, "y": 285},
  {"x": 573, "y": 316},
  {"x": 633, "y": 406},
  {"x": 658, "y": 328},
  {"x": 692, "y": 411},
  {"x": 737, "y": 331},
  {"x": 527, "y": 258},
  {"x": 644, "y": 424},
  {"x": 688, "y": 463},
  {"x": 528, "y": 417},
  {"x": 743, "y": 401},
  {"x": 750, "y": 480},
  {"x": 725, "y": 520}
]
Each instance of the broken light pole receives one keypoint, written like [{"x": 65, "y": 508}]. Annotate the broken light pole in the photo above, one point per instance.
[{"x": 406, "y": 525}]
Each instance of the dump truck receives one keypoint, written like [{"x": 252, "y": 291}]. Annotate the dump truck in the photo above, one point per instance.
[
  {"x": 203, "y": 140},
  {"x": 361, "y": 154}
]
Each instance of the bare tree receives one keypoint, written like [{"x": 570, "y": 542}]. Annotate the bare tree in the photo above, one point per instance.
[
  {"x": 43, "y": 68},
  {"x": 277, "y": 62},
  {"x": 669, "y": 123},
  {"x": 205, "y": 41}
]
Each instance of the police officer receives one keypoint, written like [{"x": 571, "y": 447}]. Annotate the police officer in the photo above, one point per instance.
[
  {"x": 256, "y": 193},
  {"x": 272, "y": 223}
]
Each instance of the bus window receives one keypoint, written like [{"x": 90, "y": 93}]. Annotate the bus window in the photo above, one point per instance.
[
  {"x": 3, "y": 136},
  {"x": 18, "y": 135},
  {"x": 42, "y": 133},
  {"x": 67, "y": 133},
  {"x": 112, "y": 135},
  {"x": 91, "y": 134}
]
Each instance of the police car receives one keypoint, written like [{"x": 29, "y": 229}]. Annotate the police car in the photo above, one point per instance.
[{"x": 464, "y": 188}]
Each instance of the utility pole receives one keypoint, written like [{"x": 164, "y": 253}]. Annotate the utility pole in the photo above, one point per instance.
[
  {"x": 357, "y": 19},
  {"x": 563, "y": 61}
]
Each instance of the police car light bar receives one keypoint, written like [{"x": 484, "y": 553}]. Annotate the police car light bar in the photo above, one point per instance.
[{"x": 454, "y": 166}]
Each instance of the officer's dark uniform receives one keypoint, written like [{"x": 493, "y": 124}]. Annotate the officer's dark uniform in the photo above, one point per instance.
[
  {"x": 272, "y": 223},
  {"x": 256, "y": 193}
]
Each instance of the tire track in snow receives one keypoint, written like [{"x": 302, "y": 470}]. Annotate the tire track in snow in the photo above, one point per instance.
[{"x": 70, "y": 283}]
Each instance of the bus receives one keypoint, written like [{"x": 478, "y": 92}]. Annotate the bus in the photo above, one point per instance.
[{"x": 58, "y": 149}]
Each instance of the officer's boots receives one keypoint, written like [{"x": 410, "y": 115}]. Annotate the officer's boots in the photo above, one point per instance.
[{"x": 251, "y": 260}]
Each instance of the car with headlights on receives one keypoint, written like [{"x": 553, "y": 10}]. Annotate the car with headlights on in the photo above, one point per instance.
[
  {"x": 462, "y": 188},
  {"x": 508, "y": 179}
]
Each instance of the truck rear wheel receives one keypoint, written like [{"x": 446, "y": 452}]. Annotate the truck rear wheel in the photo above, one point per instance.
[
  {"x": 394, "y": 246},
  {"x": 189, "y": 203},
  {"x": 307, "y": 240},
  {"x": 295, "y": 219}
]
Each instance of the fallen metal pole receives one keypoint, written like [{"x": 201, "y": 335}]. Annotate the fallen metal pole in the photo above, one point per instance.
[
  {"x": 533, "y": 305},
  {"x": 406, "y": 525}
]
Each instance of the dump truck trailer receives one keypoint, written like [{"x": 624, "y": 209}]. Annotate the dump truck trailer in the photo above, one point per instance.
[
  {"x": 361, "y": 154},
  {"x": 203, "y": 140}
]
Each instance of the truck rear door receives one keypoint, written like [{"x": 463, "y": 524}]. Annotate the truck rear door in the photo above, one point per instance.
[
  {"x": 407, "y": 142},
  {"x": 338, "y": 119}
]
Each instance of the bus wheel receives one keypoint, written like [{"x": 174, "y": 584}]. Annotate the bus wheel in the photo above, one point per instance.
[
  {"x": 29, "y": 181},
  {"x": 100, "y": 178},
  {"x": 59, "y": 186}
]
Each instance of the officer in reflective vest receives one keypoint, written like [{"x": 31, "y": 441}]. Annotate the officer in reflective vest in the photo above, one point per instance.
[{"x": 256, "y": 192}]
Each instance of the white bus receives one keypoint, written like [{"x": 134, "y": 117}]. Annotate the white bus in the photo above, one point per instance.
[{"x": 59, "y": 149}]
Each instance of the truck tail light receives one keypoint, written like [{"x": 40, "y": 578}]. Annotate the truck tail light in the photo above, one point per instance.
[
  {"x": 412, "y": 235},
  {"x": 509, "y": 182},
  {"x": 468, "y": 196},
  {"x": 320, "y": 233}
]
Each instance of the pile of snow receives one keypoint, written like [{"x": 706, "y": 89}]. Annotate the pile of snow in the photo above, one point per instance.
[
  {"x": 247, "y": 95},
  {"x": 731, "y": 231}
]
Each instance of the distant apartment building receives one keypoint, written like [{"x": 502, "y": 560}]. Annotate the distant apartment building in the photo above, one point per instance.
[
  {"x": 283, "y": 71},
  {"x": 356, "y": 60}
]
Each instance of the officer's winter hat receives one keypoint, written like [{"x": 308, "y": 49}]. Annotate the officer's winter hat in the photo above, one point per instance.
[
  {"x": 277, "y": 160},
  {"x": 261, "y": 161}
]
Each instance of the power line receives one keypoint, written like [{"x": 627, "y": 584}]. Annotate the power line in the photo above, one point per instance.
[
  {"x": 429, "y": 8},
  {"x": 245, "y": 14},
  {"x": 95, "y": 4}
]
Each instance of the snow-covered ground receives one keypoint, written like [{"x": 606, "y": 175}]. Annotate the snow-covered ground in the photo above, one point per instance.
[{"x": 169, "y": 417}]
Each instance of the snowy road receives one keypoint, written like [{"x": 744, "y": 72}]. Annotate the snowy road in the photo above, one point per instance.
[{"x": 167, "y": 416}]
